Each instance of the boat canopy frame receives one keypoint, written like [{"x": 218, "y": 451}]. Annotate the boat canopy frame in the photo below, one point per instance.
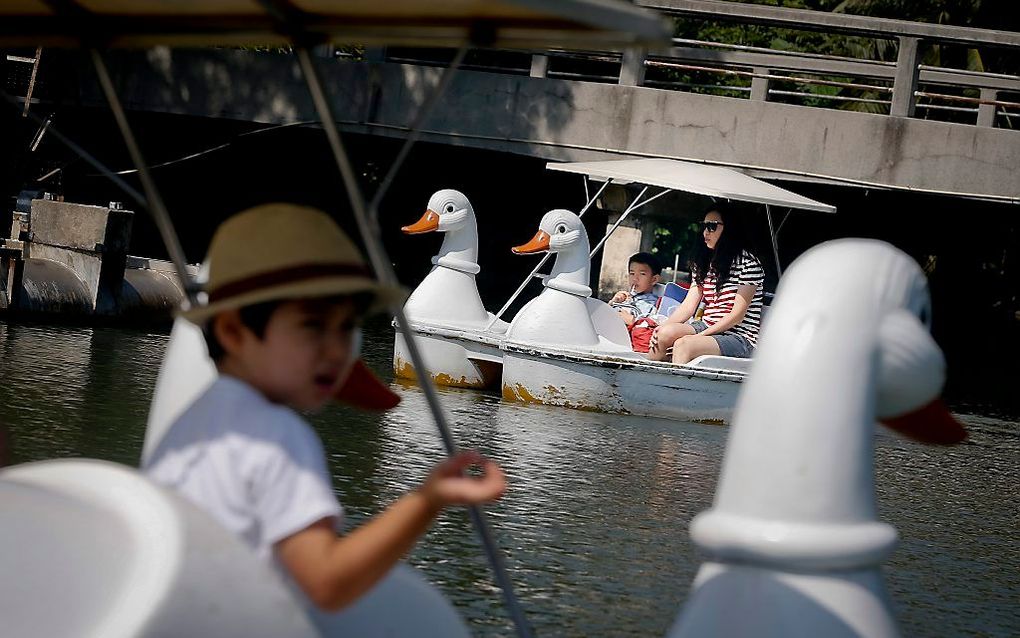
[
  {"x": 501, "y": 23},
  {"x": 670, "y": 175}
]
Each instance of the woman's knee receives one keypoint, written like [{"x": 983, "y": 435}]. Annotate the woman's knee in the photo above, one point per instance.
[{"x": 682, "y": 349}]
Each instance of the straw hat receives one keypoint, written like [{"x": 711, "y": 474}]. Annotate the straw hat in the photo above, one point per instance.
[{"x": 284, "y": 251}]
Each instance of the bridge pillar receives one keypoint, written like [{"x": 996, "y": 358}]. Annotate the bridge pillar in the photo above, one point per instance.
[
  {"x": 635, "y": 234},
  {"x": 760, "y": 85},
  {"x": 986, "y": 112},
  {"x": 632, "y": 69},
  {"x": 539, "y": 65},
  {"x": 905, "y": 82}
]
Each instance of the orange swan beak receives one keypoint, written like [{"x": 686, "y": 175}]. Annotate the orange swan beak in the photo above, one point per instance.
[
  {"x": 428, "y": 223},
  {"x": 538, "y": 243}
]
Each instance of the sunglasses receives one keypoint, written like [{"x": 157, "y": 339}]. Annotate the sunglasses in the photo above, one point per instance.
[{"x": 710, "y": 226}]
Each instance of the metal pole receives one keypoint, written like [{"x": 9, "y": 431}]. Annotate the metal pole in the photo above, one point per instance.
[
  {"x": 412, "y": 137},
  {"x": 775, "y": 244},
  {"x": 619, "y": 221},
  {"x": 384, "y": 270},
  {"x": 152, "y": 197},
  {"x": 630, "y": 209},
  {"x": 31, "y": 82},
  {"x": 782, "y": 223},
  {"x": 544, "y": 259},
  {"x": 129, "y": 190}
]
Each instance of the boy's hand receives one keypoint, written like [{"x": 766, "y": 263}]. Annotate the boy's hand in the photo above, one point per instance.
[
  {"x": 627, "y": 317},
  {"x": 620, "y": 297},
  {"x": 447, "y": 484}
]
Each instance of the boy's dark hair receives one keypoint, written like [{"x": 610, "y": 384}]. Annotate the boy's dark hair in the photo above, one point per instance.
[
  {"x": 647, "y": 259},
  {"x": 256, "y": 318}
]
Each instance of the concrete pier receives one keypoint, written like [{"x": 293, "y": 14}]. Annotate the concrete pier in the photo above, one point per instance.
[{"x": 68, "y": 260}]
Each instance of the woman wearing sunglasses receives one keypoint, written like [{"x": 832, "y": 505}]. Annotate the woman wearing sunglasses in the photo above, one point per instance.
[{"x": 728, "y": 278}]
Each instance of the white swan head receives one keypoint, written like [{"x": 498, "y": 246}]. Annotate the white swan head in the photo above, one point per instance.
[
  {"x": 891, "y": 292},
  {"x": 846, "y": 343},
  {"x": 447, "y": 210},
  {"x": 558, "y": 231}
]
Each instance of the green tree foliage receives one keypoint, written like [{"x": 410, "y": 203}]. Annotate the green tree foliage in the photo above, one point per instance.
[{"x": 991, "y": 14}]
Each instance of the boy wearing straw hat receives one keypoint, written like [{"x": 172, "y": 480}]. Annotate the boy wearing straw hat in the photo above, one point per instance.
[{"x": 286, "y": 292}]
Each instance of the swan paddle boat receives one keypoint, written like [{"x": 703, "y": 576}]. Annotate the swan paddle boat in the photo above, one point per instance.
[
  {"x": 568, "y": 349},
  {"x": 550, "y": 354},
  {"x": 458, "y": 337}
]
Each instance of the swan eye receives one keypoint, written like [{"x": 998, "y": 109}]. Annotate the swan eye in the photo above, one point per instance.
[
  {"x": 562, "y": 228},
  {"x": 450, "y": 208}
]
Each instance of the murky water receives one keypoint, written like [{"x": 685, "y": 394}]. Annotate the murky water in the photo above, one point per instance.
[{"x": 595, "y": 523}]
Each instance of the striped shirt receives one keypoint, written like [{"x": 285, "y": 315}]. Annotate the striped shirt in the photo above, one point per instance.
[{"x": 746, "y": 271}]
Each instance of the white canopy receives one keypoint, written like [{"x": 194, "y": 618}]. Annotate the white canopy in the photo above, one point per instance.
[
  {"x": 506, "y": 23},
  {"x": 714, "y": 181}
]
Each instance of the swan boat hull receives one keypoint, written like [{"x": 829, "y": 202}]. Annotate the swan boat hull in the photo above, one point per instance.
[
  {"x": 705, "y": 391},
  {"x": 455, "y": 356},
  {"x": 136, "y": 559},
  {"x": 599, "y": 382}
]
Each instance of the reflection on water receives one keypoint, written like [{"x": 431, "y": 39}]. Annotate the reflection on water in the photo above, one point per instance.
[
  {"x": 76, "y": 391},
  {"x": 594, "y": 526}
]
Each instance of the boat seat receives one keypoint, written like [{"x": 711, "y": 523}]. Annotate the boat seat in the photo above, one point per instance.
[
  {"x": 723, "y": 364},
  {"x": 93, "y": 548}
]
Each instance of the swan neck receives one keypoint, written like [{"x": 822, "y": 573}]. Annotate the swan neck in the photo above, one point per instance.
[
  {"x": 460, "y": 244},
  {"x": 570, "y": 272}
]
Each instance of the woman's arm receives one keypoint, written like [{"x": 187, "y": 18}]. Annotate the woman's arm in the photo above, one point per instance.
[
  {"x": 687, "y": 307},
  {"x": 741, "y": 303}
]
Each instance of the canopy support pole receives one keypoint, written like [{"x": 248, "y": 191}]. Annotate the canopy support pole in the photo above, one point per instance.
[
  {"x": 152, "y": 198},
  {"x": 783, "y": 222},
  {"x": 544, "y": 259},
  {"x": 413, "y": 135},
  {"x": 630, "y": 209},
  {"x": 775, "y": 242},
  {"x": 384, "y": 270}
]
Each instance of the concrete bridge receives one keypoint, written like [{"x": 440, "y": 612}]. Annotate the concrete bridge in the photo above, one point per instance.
[{"x": 534, "y": 107}]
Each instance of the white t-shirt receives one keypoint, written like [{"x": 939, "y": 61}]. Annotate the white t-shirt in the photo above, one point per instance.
[{"x": 253, "y": 465}]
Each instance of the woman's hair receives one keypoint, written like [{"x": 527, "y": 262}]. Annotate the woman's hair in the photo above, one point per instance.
[{"x": 731, "y": 244}]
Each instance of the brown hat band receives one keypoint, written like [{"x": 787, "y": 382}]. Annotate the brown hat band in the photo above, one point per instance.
[{"x": 286, "y": 276}]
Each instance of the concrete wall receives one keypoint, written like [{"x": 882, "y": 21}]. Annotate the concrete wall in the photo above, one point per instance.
[
  {"x": 613, "y": 276},
  {"x": 90, "y": 241},
  {"x": 566, "y": 120}
]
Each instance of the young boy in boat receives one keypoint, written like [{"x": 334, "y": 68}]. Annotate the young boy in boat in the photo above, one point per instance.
[
  {"x": 643, "y": 271},
  {"x": 286, "y": 294},
  {"x": 639, "y": 306}
]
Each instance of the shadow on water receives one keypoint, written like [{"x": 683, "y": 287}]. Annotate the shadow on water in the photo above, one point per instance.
[{"x": 594, "y": 526}]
